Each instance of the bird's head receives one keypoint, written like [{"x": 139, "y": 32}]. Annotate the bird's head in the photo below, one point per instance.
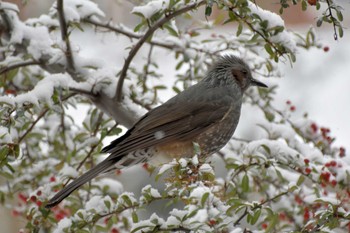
[{"x": 230, "y": 69}]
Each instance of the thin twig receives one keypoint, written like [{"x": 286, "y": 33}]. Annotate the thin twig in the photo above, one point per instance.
[
  {"x": 131, "y": 35},
  {"x": 142, "y": 40},
  {"x": 65, "y": 37},
  {"x": 18, "y": 65},
  {"x": 259, "y": 206},
  {"x": 332, "y": 18},
  {"x": 41, "y": 115},
  {"x": 250, "y": 25}
]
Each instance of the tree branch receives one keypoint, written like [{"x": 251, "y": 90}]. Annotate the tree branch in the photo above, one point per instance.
[
  {"x": 18, "y": 65},
  {"x": 65, "y": 37},
  {"x": 142, "y": 40}
]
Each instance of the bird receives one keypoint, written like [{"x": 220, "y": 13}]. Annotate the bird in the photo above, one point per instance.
[{"x": 206, "y": 113}]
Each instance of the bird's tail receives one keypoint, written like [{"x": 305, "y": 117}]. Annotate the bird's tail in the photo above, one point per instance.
[{"x": 66, "y": 191}]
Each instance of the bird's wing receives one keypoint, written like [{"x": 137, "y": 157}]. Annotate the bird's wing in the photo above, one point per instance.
[{"x": 170, "y": 122}]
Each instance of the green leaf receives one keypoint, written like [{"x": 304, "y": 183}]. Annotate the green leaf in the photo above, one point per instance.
[
  {"x": 300, "y": 180},
  {"x": 245, "y": 183},
  {"x": 135, "y": 218},
  {"x": 269, "y": 116},
  {"x": 268, "y": 49},
  {"x": 139, "y": 228},
  {"x": 339, "y": 15},
  {"x": 341, "y": 33},
  {"x": 177, "y": 90},
  {"x": 4, "y": 152},
  {"x": 107, "y": 204},
  {"x": 255, "y": 217},
  {"x": 127, "y": 200},
  {"x": 239, "y": 29},
  {"x": 171, "y": 30},
  {"x": 272, "y": 223},
  {"x": 208, "y": 11},
  {"x": 139, "y": 26},
  {"x": 204, "y": 198},
  {"x": 303, "y": 5}
]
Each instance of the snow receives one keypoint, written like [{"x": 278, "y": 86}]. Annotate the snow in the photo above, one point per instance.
[
  {"x": 206, "y": 168},
  {"x": 98, "y": 204},
  {"x": 41, "y": 92},
  {"x": 194, "y": 160},
  {"x": 75, "y": 10},
  {"x": 114, "y": 186},
  {"x": 183, "y": 162},
  {"x": 198, "y": 192},
  {"x": 5, "y": 136},
  {"x": 274, "y": 20},
  {"x": 151, "y": 8},
  {"x": 68, "y": 171},
  {"x": 166, "y": 167},
  {"x": 278, "y": 150},
  {"x": 9, "y": 6},
  {"x": 152, "y": 191},
  {"x": 62, "y": 225}
]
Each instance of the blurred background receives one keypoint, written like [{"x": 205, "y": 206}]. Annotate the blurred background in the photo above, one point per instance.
[{"x": 318, "y": 83}]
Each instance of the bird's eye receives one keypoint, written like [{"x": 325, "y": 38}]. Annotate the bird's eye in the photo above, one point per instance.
[{"x": 244, "y": 72}]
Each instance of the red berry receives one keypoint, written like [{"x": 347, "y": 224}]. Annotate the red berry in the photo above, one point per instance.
[
  {"x": 326, "y": 48},
  {"x": 327, "y": 164},
  {"x": 52, "y": 179},
  {"x": 38, "y": 203},
  {"x": 333, "y": 163},
  {"x": 22, "y": 197},
  {"x": 292, "y": 108},
  {"x": 298, "y": 199},
  {"x": 325, "y": 176},
  {"x": 114, "y": 230},
  {"x": 33, "y": 198},
  {"x": 288, "y": 102},
  {"x": 306, "y": 161},
  {"x": 212, "y": 222},
  {"x": 342, "y": 152},
  {"x": 264, "y": 225},
  {"x": 15, "y": 213},
  {"x": 307, "y": 170},
  {"x": 145, "y": 166},
  {"x": 314, "y": 127},
  {"x": 10, "y": 92},
  {"x": 282, "y": 216},
  {"x": 306, "y": 214},
  {"x": 312, "y": 2},
  {"x": 38, "y": 193},
  {"x": 59, "y": 216},
  {"x": 333, "y": 183}
]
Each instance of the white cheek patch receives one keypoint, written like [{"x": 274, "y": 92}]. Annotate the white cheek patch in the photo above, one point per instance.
[{"x": 159, "y": 134}]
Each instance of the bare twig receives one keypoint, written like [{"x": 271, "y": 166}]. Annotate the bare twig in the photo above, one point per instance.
[
  {"x": 131, "y": 35},
  {"x": 65, "y": 37},
  {"x": 142, "y": 40},
  {"x": 333, "y": 21},
  {"x": 18, "y": 65}
]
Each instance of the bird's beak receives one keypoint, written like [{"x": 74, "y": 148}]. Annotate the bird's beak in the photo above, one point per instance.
[{"x": 255, "y": 82}]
